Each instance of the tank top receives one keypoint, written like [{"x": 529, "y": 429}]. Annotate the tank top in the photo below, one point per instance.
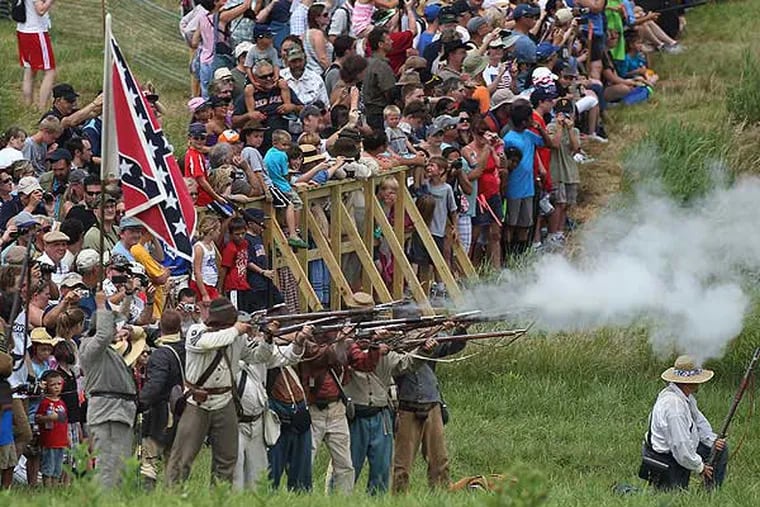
[
  {"x": 312, "y": 62},
  {"x": 209, "y": 269},
  {"x": 362, "y": 17}
]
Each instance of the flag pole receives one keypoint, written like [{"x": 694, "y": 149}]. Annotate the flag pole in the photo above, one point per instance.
[{"x": 106, "y": 154}]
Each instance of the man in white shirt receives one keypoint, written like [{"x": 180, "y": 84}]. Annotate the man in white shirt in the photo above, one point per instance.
[
  {"x": 680, "y": 438},
  {"x": 307, "y": 84}
]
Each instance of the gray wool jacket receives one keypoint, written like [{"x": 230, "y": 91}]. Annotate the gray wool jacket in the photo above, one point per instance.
[{"x": 105, "y": 375}]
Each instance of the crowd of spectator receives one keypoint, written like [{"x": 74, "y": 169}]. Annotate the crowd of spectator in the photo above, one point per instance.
[{"x": 489, "y": 104}]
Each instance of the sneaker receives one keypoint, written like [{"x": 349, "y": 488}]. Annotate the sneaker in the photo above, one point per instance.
[
  {"x": 596, "y": 138},
  {"x": 297, "y": 242},
  {"x": 582, "y": 158},
  {"x": 674, "y": 49}
]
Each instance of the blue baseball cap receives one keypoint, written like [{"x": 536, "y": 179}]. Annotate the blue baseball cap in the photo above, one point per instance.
[
  {"x": 546, "y": 50},
  {"x": 523, "y": 10},
  {"x": 431, "y": 12}
]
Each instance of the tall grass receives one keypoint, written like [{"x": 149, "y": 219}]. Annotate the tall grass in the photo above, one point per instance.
[{"x": 743, "y": 96}]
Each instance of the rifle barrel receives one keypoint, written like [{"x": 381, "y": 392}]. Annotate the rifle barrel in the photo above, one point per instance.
[{"x": 474, "y": 336}]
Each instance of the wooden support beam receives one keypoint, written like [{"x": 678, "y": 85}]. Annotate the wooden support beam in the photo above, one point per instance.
[
  {"x": 306, "y": 291},
  {"x": 464, "y": 262},
  {"x": 303, "y": 253},
  {"x": 369, "y": 224},
  {"x": 365, "y": 257},
  {"x": 399, "y": 217},
  {"x": 400, "y": 261},
  {"x": 439, "y": 263},
  {"x": 333, "y": 265},
  {"x": 336, "y": 235}
]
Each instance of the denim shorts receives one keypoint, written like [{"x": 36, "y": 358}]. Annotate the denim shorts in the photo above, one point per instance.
[{"x": 52, "y": 462}]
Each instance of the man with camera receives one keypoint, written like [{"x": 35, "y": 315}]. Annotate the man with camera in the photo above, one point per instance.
[
  {"x": 120, "y": 286},
  {"x": 56, "y": 246},
  {"x": 28, "y": 198}
]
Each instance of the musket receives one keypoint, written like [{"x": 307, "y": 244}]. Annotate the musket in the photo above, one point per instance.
[
  {"x": 714, "y": 453},
  {"x": 514, "y": 333},
  {"x": 413, "y": 322},
  {"x": 353, "y": 312}
]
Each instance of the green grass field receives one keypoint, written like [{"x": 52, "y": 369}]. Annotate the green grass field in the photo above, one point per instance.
[{"x": 564, "y": 413}]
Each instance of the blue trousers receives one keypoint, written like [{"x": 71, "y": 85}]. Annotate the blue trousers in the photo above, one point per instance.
[
  {"x": 280, "y": 31},
  {"x": 372, "y": 440},
  {"x": 291, "y": 454}
]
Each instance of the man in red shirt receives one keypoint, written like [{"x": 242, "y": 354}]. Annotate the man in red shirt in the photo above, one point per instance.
[
  {"x": 196, "y": 165},
  {"x": 52, "y": 419},
  {"x": 233, "y": 276},
  {"x": 542, "y": 99}
]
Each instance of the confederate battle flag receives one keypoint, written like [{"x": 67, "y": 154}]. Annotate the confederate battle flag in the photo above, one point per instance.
[{"x": 135, "y": 149}]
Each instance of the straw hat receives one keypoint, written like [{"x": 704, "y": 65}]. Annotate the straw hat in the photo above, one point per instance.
[
  {"x": 132, "y": 349},
  {"x": 40, "y": 336},
  {"x": 361, "y": 300},
  {"x": 685, "y": 371}
]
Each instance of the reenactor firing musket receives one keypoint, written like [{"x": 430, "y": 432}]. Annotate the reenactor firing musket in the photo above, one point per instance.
[
  {"x": 413, "y": 343},
  {"x": 335, "y": 314}
]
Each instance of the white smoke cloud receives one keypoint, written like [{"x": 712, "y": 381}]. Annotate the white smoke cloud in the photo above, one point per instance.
[{"x": 679, "y": 271}]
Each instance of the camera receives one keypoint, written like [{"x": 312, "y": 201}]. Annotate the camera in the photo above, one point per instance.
[
  {"x": 457, "y": 165},
  {"x": 45, "y": 268},
  {"x": 20, "y": 232},
  {"x": 186, "y": 307},
  {"x": 82, "y": 293},
  {"x": 117, "y": 279},
  {"x": 580, "y": 11}
]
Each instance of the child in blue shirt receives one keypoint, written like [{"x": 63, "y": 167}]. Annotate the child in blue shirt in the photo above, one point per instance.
[{"x": 283, "y": 195}]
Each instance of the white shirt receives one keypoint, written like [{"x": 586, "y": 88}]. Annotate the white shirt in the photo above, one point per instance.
[
  {"x": 21, "y": 345},
  {"x": 9, "y": 155},
  {"x": 254, "y": 397},
  {"x": 60, "y": 270},
  {"x": 678, "y": 427},
  {"x": 34, "y": 22},
  {"x": 298, "y": 19},
  {"x": 309, "y": 88}
]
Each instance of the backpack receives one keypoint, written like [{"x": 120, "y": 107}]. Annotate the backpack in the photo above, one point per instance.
[{"x": 18, "y": 11}]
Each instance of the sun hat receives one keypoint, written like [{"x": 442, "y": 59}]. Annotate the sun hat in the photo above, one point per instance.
[
  {"x": 222, "y": 73},
  {"x": 311, "y": 154},
  {"x": 131, "y": 349},
  {"x": 40, "y": 336},
  {"x": 253, "y": 126},
  {"x": 409, "y": 77},
  {"x": 501, "y": 98},
  {"x": 360, "y": 300},
  {"x": 685, "y": 371},
  {"x": 496, "y": 44},
  {"x": 474, "y": 65}
]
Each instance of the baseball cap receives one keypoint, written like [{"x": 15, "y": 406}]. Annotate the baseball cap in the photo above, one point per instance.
[
  {"x": 431, "y": 12},
  {"x": 229, "y": 136},
  {"x": 447, "y": 15},
  {"x": 262, "y": 31},
  {"x": 53, "y": 236},
  {"x": 130, "y": 223},
  {"x": 544, "y": 93},
  {"x": 27, "y": 185},
  {"x": 197, "y": 103},
  {"x": 222, "y": 73},
  {"x": 564, "y": 105},
  {"x": 441, "y": 123},
  {"x": 65, "y": 91},
  {"x": 25, "y": 219},
  {"x": 496, "y": 44},
  {"x": 78, "y": 176},
  {"x": 524, "y": 10},
  {"x": 543, "y": 76},
  {"x": 295, "y": 53},
  {"x": 242, "y": 48},
  {"x": 254, "y": 215},
  {"x": 563, "y": 16},
  {"x": 196, "y": 129},
  {"x": 72, "y": 280},
  {"x": 59, "y": 154},
  {"x": 476, "y": 24},
  {"x": 545, "y": 50},
  {"x": 461, "y": 6},
  {"x": 474, "y": 65},
  {"x": 87, "y": 259}
]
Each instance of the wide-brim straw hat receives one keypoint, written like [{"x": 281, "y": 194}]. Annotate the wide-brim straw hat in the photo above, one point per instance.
[
  {"x": 132, "y": 349},
  {"x": 40, "y": 336},
  {"x": 361, "y": 300},
  {"x": 685, "y": 371}
]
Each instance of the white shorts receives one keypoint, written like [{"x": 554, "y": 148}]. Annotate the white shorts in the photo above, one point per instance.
[{"x": 586, "y": 103}]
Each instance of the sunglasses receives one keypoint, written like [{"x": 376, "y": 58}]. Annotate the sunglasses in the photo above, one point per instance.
[
  {"x": 266, "y": 76},
  {"x": 200, "y": 137},
  {"x": 6, "y": 180},
  {"x": 91, "y": 194},
  {"x": 464, "y": 120}
]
